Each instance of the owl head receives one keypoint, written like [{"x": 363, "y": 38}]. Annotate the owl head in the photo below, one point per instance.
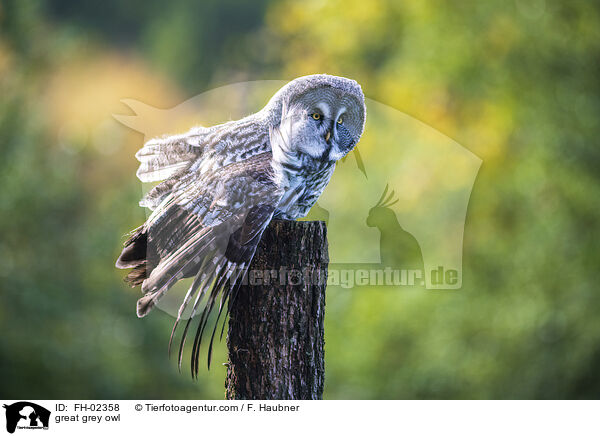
[{"x": 319, "y": 116}]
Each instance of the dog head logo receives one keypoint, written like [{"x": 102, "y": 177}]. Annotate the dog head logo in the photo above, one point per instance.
[{"x": 26, "y": 415}]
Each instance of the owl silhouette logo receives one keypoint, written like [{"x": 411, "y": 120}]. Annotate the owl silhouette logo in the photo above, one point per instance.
[
  {"x": 26, "y": 415},
  {"x": 397, "y": 201}
]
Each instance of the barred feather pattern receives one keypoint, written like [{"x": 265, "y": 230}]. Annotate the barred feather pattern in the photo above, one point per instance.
[
  {"x": 206, "y": 226},
  {"x": 220, "y": 187}
]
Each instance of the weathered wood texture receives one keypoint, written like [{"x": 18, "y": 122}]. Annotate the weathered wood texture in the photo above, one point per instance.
[{"x": 275, "y": 337}]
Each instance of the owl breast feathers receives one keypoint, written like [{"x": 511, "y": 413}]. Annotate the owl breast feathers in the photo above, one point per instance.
[{"x": 220, "y": 187}]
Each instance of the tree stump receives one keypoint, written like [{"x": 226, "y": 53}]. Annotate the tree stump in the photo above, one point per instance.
[{"x": 275, "y": 338}]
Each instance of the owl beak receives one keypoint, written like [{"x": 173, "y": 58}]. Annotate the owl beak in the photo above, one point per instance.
[{"x": 327, "y": 136}]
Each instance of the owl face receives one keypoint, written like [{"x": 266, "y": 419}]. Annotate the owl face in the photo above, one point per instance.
[
  {"x": 326, "y": 125},
  {"x": 324, "y": 118}
]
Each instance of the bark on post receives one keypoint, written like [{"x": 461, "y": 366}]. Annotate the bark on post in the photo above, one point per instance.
[{"x": 275, "y": 337}]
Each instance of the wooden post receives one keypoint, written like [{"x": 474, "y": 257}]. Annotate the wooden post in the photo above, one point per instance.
[{"x": 275, "y": 337}]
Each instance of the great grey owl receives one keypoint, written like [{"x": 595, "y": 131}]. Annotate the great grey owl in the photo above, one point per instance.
[{"x": 221, "y": 186}]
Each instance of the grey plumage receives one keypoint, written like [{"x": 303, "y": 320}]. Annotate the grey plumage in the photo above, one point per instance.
[{"x": 221, "y": 186}]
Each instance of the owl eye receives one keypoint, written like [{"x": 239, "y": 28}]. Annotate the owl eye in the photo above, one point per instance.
[
  {"x": 340, "y": 120},
  {"x": 316, "y": 116}
]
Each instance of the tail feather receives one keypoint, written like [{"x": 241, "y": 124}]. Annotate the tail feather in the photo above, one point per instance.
[
  {"x": 225, "y": 283},
  {"x": 161, "y": 280},
  {"x": 134, "y": 255},
  {"x": 137, "y": 275},
  {"x": 135, "y": 249},
  {"x": 178, "y": 246},
  {"x": 203, "y": 281}
]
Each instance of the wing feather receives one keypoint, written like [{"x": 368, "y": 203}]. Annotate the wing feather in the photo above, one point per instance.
[
  {"x": 165, "y": 157},
  {"x": 207, "y": 226}
]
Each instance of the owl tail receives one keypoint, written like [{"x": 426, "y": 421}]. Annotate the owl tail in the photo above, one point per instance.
[
  {"x": 134, "y": 255},
  {"x": 173, "y": 245}
]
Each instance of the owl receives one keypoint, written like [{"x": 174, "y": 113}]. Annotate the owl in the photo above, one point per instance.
[{"x": 220, "y": 187}]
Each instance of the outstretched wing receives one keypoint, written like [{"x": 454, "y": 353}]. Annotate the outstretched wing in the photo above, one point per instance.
[
  {"x": 201, "y": 150},
  {"x": 208, "y": 218}
]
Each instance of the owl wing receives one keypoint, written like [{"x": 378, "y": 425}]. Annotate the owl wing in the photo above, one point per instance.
[
  {"x": 201, "y": 150},
  {"x": 208, "y": 218}
]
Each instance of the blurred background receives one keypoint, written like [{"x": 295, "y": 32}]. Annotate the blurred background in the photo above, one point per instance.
[{"x": 515, "y": 82}]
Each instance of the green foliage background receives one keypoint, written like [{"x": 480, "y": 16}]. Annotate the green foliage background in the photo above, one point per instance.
[{"x": 514, "y": 82}]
